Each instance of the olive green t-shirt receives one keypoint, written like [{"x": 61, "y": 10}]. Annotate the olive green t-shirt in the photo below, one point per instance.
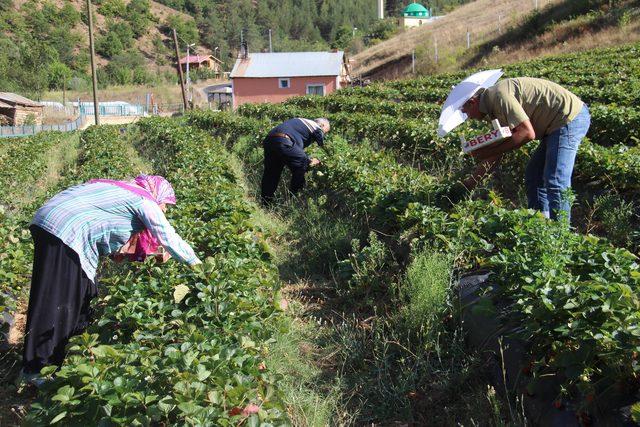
[{"x": 547, "y": 105}]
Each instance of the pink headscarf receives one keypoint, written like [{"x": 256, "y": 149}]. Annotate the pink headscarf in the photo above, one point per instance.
[
  {"x": 162, "y": 192},
  {"x": 158, "y": 187}
]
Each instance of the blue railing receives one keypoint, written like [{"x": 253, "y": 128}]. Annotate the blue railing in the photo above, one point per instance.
[
  {"x": 27, "y": 130},
  {"x": 113, "y": 110}
]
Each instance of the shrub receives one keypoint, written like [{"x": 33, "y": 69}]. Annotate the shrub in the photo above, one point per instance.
[
  {"x": 139, "y": 15},
  {"x": 112, "y": 8},
  {"x": 109, "y": 45}
]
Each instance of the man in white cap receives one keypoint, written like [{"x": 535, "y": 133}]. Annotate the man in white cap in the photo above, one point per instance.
[{"x": 533, "y": 109}]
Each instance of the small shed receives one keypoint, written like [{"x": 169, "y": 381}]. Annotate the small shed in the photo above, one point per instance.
[
  {"x": 414, "y": 15},
  {"x": 16, "y": 110},
  {"x": 219, "y": 96},
  {"x": 208, "y": 62},
  {"x": 275, "y": 77}
]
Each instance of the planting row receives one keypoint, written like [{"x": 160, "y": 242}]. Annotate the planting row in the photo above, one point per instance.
[
  {"x": 416, "y": 142},
  {"x": 159, "y": 356},
  {"x": 23, "y": 162}
]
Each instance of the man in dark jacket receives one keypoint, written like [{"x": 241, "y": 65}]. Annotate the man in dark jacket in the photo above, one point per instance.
[{"x": 284, "y": 145}]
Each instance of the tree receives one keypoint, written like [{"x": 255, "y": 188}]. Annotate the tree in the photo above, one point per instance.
[
  {"x": 69, "y": 15},
  {"x": 343, "y": 38},
  {"x": 58, "y": 74},
  {"x": 186, "y": 30},
  {"x": 138, "y": 13},
  {"x": 109, "y": 45},
  {"x": 124, "y": 32}
]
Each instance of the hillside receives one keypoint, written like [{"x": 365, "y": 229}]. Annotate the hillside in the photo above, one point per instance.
[
  {"x": 501, "y": 32},
  {"x": 46, "y": 43}
]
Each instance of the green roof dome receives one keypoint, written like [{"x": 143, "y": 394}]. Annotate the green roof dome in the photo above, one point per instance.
[{"x": 415, "y": 9}]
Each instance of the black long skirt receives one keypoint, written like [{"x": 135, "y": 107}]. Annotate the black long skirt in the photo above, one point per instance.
[{"x": 59, "y": 301}]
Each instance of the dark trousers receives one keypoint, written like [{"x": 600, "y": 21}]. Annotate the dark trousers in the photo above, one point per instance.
[
  {"x": 59, "y": 301},
  {"x": 278, "y": 153}
]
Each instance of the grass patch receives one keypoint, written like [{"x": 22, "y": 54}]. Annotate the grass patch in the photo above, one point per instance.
[
  {"x": 426, "y": 289},
  {"x": 312, "y": 395}
]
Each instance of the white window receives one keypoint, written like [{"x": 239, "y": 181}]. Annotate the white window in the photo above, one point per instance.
[
  {"x": 284, "y": 83},
  {"x": 315, "y": 90}
]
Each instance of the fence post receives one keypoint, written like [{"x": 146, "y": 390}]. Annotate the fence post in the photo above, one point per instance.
[{"x": 435, "y": 42}]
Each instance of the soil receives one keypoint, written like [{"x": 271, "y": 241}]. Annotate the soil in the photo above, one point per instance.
[{"x": 14, "y": 400}]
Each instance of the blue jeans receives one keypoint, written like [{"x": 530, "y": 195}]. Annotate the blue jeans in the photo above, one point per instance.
[{"x": 548, "y": 173}]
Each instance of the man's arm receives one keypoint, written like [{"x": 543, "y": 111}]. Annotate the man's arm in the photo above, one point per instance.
[
  {"x": 318, "y": 136},
  {"x": 490, "y": 156},
  {"x": 520, "y": 135}
]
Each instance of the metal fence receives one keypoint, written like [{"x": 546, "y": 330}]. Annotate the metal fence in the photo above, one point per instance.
[
  {"x": 27, "y": 130},
  {"x": 86, "y": 109}
]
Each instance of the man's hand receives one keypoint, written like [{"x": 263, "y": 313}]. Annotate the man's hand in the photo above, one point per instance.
[
  {"x": 480, "y": 171},
  {"x": 314, "y": 162}
]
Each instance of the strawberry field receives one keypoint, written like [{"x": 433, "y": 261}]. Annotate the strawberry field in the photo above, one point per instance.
[
  {"x": 385, "y": 202},
  {"x": 572, "y": 296}
]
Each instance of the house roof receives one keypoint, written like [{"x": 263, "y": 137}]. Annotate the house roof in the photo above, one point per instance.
[
  {"x": 415, "y": 8},
  {"x": 289, "y": 64},
  {"x": 13, "y": 99},
  {"x": 197, "y": 59}
]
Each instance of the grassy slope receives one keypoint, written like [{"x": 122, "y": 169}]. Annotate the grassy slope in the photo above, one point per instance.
[
  {"x": 479, "y": 17},
  {"x": 561, "y": 26}
]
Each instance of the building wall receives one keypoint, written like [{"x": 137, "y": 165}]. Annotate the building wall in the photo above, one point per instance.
[
  {"x": 411, "y": 21},
  {"x": 209, "y": 63},
  {"x": 18, "y": 115},
  {"x": 261, "y": 90}
]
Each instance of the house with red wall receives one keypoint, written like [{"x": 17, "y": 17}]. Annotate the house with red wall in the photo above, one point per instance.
[{"x": 275, "y": 77}]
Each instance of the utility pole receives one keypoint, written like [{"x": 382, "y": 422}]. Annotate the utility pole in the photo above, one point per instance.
[
  {"x": 189, "y": 78},
  {"x": 93, "y": 66},
  {"x": 184, "y": 95},
  {"x": 468, "y": 39},
  {"x": 270, "y": 46}
]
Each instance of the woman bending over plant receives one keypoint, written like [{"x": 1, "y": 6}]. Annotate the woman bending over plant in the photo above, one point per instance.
[{"x": 70, "y": 233}]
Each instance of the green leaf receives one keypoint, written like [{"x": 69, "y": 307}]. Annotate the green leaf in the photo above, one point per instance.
[
  {"x": 189, "y": 408},
  {"x": 48, "y": 370},
  {"x": 58, "y": 417},
  {"x": 635, "y": 412},
  {"x": 179, "y": 292},
  {"x": 203, "y": 373}
]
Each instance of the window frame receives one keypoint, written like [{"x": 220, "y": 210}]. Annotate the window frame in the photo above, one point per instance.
[
  {"x": 310, "y": 85},
  {"x": 284, "y": 79}
]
